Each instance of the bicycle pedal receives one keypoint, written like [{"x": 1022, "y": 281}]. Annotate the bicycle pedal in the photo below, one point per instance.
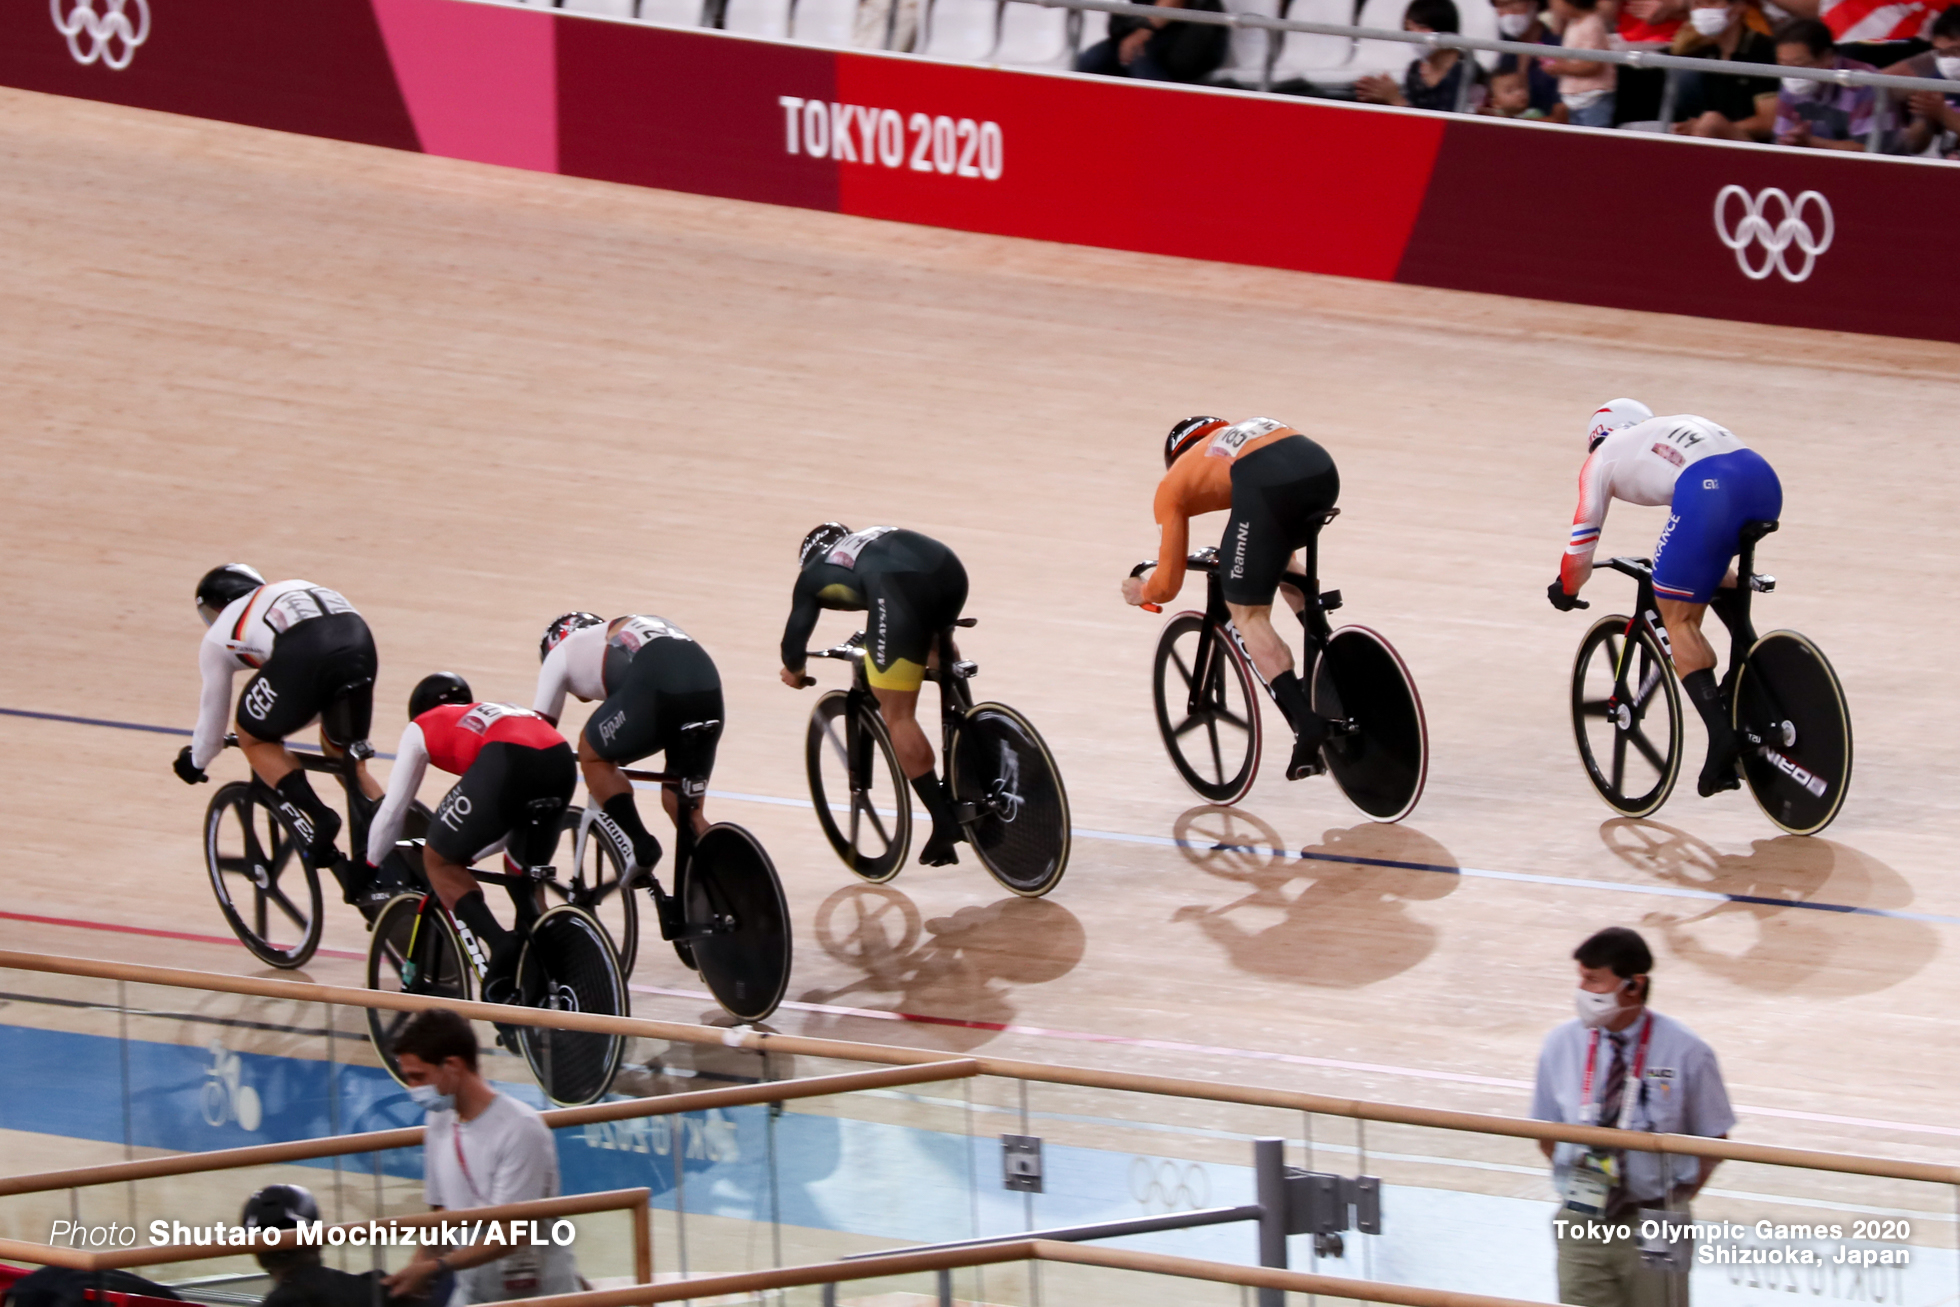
[{"x": 673, "y": 921}]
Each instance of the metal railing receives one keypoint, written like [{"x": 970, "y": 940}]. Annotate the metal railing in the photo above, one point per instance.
[{"x": 930, "y": 1065}]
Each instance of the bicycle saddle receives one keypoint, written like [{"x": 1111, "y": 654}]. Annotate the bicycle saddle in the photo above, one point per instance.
[
  {"x": 337, "y": 718},
  {"x": 1327, "y": 515},
  {"x": 1754, "y": 531}
]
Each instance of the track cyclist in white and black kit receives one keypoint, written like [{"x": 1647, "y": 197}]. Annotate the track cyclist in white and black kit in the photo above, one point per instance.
[
  {"x": 661, "y": 692},
  {"x": 309, "y": 652},
  {"x": 515, "y": 779},
  {"x": 1712, "y": 484}
]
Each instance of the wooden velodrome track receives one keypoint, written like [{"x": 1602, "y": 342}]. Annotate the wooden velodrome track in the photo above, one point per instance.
[{"x": 472, "y": 398}]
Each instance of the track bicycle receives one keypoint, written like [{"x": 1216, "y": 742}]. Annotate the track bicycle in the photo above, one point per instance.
[
  {"x": 567, "y": 964},
  {"x": 1203, "y": 684},
  {"x": 269, "y": 893},
  {"x": 1787, "y": 706},
  {"x": 1006, "y": 790},
  {"x": 726, "y": 917}
]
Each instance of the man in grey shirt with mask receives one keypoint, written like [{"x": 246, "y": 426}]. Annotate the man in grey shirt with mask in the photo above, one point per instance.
[
  {"x": 481, "y": 1149},
  {"x": 1620, "y": 1065}
]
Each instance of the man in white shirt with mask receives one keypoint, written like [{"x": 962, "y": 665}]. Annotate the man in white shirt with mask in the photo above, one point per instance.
[
  {"x": 1620, "y": 1065},
  {"x": 481, "y": 1149}
]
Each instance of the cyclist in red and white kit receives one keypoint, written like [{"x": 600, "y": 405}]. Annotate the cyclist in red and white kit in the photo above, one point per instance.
[
  {"x": 312, "y": 657},
  {"x": 517, "y": 777}
]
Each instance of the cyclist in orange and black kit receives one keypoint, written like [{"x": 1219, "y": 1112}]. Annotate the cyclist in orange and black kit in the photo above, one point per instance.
[
  {"x": 1276, "y": 482},
  {"x": 913, "y": 588}
]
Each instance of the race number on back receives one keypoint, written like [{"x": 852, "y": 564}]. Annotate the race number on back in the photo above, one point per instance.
[
  {"x": 845, "y": 552},
  {"x": 1228, "y": 443}
]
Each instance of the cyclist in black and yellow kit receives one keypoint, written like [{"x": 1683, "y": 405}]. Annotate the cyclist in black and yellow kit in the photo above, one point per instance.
[{"x": 913, "y": 588}]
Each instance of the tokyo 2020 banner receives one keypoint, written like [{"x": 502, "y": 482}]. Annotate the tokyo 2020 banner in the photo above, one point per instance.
[{"x": 1800, "y": 238}]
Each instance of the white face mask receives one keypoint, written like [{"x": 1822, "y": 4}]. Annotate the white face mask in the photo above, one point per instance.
[
  {"x": 429, "y": 1100},
  {"x": 1514, "y": 25},
  {"x": 1710, "y": 22},
  {"x": 1948, "y": 64},
  {"x": 1595, "y": 1010},
  {"x": 1800, "y": 87}
]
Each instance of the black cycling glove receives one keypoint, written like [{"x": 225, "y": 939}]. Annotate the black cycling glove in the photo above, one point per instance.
[
  {"x": 187, "y": 771},
  {"x": 1562, "y": 601}
]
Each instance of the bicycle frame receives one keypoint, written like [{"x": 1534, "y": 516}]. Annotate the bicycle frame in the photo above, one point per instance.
[
  {"x": 668, "y": 908},
  {"x": 955, "y": 697}
]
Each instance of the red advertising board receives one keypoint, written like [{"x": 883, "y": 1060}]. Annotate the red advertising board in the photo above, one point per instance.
[{"x": 1809, "y": 238}]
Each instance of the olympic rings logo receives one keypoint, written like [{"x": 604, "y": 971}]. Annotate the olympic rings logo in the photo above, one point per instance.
[
  {"x": 1166, "y": 1187},
  {"x": 112, "y": 37},
  {"x": 1790, "y": 229}
]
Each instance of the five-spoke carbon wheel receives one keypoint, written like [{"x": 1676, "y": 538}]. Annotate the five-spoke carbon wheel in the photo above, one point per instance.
[
  {"x": 1788, "y": 697},
  {"x": 1207, "y": 708},
  {"x": 863, "y": 802},
  {"x": 270, "y": 897},
  {"x": 1626, "y": 716},
  {"x": 411, "y": 952},
  {"x": 738, "y": 922},
  {"x": 1020, "y": 823},
  {"x": 1379, "y": 755},
  {"x": 568, "y": 965}
]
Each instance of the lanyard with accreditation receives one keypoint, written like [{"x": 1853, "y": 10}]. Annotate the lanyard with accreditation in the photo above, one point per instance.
[{"x": 1593, "y": 1176}]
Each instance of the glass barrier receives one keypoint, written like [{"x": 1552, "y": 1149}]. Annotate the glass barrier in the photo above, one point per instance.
[{"x": 95, "y": 1071}]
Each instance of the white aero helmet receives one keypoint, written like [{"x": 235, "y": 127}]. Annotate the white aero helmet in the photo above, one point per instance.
[{"x": 1611, "y": 416}]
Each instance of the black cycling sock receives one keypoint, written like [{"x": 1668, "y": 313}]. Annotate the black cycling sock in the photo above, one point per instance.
[
  {"x": 1709, "y": 701},
  {"x": 625, "y": 814},
  {"x": 476, "y": 917},
  {"x": 1292, "y": 697},
  {"x": 937, "y": 801},
  {"x": 298, "y": 793}
]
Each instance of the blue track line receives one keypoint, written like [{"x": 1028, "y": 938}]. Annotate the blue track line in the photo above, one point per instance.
[{"x": 1167, "y": 841}]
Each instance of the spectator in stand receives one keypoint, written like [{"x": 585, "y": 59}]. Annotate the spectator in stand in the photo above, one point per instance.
[
  {"x": 1510, "y": 97},
  {"x": 1935, "y": 125},
  {"x": 1524, "y": 20},
  {"x": 1856, "y": 22},
  {"x": 1584, "y": 85},
  {"x": 1436, "y": 80},
  {"x": 1725, "y": 108},
  {"x": 1820, "y": 114},
  {"x": 1157, "y": 49}
]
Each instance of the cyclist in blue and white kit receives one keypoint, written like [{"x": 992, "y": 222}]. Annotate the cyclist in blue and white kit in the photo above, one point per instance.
[{"x": 1711, "y": 484}]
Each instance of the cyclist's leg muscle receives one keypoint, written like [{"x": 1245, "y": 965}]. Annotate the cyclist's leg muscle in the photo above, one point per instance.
[{"x": 901, "y": 712}]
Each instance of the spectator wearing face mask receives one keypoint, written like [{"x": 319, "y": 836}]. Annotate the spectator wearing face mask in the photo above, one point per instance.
[
  {"x": 1823, "y": 115},
  {"x": 1436, "y": 80},
  {"x": 480, "y": 1149},
  {"x": 1584, "y": 85},
  {"x": 1624, "y": 1066},
  {"x": 1524, "y": 20},
  {"x": 1725, "y": 108},
  {"x": 1934, "y": 126}
]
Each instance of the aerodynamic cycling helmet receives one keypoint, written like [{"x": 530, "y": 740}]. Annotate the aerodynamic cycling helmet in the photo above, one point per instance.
[
  {"x": 221, "y": 585},
  {"x": 1186, "y": 434},
  {"x": 436, "y": 689},
  {"x": 1611, "y": 416},
  {"x": 279, "y": 1207},
  {"x": 563, "y": 626},
  {"x": 820, "y": 541}
]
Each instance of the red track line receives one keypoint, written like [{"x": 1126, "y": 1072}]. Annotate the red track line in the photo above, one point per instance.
[{"x": 154, "y": 933}]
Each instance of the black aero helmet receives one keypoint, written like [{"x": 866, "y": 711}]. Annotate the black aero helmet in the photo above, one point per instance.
[
  {"x": 221, "y": 585},
  {"x": 563, "y": 626},
  {"x": 820, "y": 541},
  {"x": 279, "y": 1207},
  {"x": 436, "y": 689},
  {"x": 1186, "y": 434}
]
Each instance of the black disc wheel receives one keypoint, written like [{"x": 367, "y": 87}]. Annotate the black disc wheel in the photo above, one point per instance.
[
  {"x": 568, "y": 965},
  {"x": 1378, "y": 749},
  {"x": 1020, "y": 824},
  {"x": 738, "y": 922},
  {"x": 1207, "y": 708},
  {"x": 863, "y": 803},
  {"x": 270, "y": 897},
  {"x": 599, "y": 855},
  {"x": 1791, "y": 714},
  {"x": 410, "y": 952},
  {"x": 1626, "y": 716}
]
